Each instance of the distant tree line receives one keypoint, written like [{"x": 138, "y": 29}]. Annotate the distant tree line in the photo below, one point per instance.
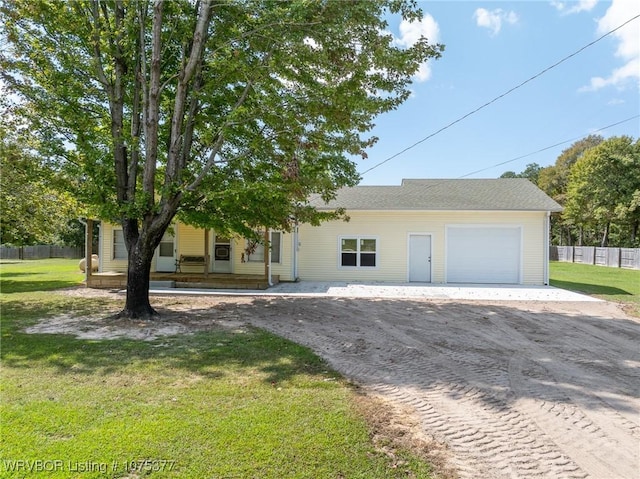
[
  {"x": 597, "y": 181},
  {"x": 35, "y": 208}
]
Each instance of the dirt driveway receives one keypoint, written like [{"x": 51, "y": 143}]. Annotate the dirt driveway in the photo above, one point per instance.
[
  {"x": 515, "y": 390},
  {"x": 512, "y": 389}
]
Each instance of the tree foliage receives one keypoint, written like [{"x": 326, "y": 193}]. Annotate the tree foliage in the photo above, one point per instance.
[
  {"x": 553, "y": 179},
  {"x": 531, "y": 172},
  {"x": 33, "y": 209},
  {"x": 603, "y": 191},
  {"x": 597, "y": 181},
  {"x": 229, "y": 114}
]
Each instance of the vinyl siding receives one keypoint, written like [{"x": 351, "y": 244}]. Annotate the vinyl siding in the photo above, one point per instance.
[
  {"x": 107, "y": 262},
  {"x": 319, "y": 250},
  {"x": 284, "y": 269},
  {"x": 190, "y": 241}
]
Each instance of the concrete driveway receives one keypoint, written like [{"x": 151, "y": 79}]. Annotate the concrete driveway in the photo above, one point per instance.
[{"x": 514, "y": 389}]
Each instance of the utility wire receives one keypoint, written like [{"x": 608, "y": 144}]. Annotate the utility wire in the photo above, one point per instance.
[
  {"x": 549, "y": 147},
  {"x": 499, "y": 97}
]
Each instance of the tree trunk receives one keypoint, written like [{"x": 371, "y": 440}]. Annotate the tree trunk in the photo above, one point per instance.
[
  {"x": 137, "y": 305},
  {"x": 605, "y": 236}
]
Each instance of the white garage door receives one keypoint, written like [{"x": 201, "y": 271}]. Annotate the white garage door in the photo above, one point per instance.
[{"x": 481, "y": 254}]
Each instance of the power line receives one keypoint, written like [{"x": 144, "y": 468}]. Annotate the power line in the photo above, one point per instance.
[
  {"x": 549, "y": 147},
  {"x": 498, "y": 97}
]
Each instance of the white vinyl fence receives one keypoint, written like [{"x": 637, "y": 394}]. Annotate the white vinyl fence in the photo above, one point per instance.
[{"x": 613, "y": 257}]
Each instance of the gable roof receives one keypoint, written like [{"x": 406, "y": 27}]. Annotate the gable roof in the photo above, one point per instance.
[{"x": 509, "y": 194}]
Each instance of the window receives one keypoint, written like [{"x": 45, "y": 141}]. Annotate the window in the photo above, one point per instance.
[
  {"x": 358, "y": 252},
  {"x": 258, "y": 253},
  {"x": 119, "y": 248}
]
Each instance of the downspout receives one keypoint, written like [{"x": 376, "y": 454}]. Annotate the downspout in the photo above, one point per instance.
[
  {"x": 295, "y": 252},
  {"x": 267, "y": 252},
  {"x": 547, "y": 238}
]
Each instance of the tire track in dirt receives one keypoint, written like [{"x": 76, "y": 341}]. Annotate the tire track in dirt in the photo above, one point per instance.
[{"x": 506, "y": 389}]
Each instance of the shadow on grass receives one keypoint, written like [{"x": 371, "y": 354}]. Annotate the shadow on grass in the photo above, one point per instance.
[
  {"x": 211, "y": 353},
  {"x": 590, "y": 288},
  {"x": 9, "y": 286}
]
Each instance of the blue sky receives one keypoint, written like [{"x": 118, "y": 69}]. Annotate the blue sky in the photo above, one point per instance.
[{"x": 490, "y": 48}]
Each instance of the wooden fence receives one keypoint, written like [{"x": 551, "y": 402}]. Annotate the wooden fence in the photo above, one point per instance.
[
  {"x": 613, "y": 257},
  {"x": 41, "y": 252}
]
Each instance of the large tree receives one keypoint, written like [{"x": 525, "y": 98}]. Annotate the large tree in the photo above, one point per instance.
[
  {"x": 554, "y": 179},
  {"x": 227, "y": 113},
  {"x": 603, "y": 192},
  {"x": 33, "y": 207}
]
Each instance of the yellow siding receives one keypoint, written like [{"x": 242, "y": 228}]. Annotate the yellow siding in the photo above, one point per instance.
[
  {"x": 284, "y": 269},
  {"x": 107, "y": 263},
  {"x": 318, "y": 253},
  {"x": 319, "y": 248},
  {"x": 190, "y": 241}
]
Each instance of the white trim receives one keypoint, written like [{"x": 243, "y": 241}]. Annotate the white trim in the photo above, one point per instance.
[
  {"x": 546, "y": 242},
  {"x": 280, "y": 261},
  {"x": 113, "y": 245},
  {"x": 409, "y": 234},
  {"x": 156, "y": 253},
  {"x": 212, "y": 255},
  {"x": 358, "y": 237},
  {"x": 294, "y": 253},
  {"x": 517, "y": 226},
  {"x": 100, "y": 249}
]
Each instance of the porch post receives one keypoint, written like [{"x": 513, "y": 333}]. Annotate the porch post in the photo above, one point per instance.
[
  {"x": 206, "y": 253},
  {"x": 88, "y": 247},
  {"x": 267, "y": 256}
]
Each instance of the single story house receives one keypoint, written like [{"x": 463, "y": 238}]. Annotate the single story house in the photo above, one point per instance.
[{"x": 427, "y": 231}]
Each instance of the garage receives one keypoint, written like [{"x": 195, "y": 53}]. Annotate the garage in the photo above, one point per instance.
[{"x": 483, "y": 254}]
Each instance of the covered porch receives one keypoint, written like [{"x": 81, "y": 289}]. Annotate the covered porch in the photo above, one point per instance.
[
  {"x": 118, "y": 280},
  {"x": 186, "y": 258}
]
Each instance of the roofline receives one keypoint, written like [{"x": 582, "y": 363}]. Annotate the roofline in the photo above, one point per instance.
[{"x": 544, "y": 210}]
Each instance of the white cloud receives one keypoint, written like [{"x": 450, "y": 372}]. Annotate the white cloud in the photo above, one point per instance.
[
  {"x": 574, "y": 7},
  {"x": 628, "y": 49},
  {"x": 411, "y": 32},
  {"x": 493, "y": 19}
]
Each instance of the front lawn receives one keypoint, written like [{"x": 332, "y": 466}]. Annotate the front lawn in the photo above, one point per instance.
[
  {"x": 217, "y": 404},
  {"x": 613, "y": 284}
]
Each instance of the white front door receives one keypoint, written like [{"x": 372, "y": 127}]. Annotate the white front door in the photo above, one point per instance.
[
  {"x": 420, "y": 258},
  {"x": 221, "y": 254},
  {"x": 166, "y": 254}
]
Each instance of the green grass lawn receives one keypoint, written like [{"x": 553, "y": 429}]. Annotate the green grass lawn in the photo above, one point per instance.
[
  {"x": 215, "y": 404},
  {"x": 613, "y": 284}
]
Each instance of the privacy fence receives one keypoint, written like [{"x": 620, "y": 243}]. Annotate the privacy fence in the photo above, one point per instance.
[
  {"x": 613, "y": 257},
  {"x": 41, "y": 252}
]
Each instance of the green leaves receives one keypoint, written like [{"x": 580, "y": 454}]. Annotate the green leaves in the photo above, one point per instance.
[
  {"x": 231, "y": 114},
  {"x": 603, "y": 188}
]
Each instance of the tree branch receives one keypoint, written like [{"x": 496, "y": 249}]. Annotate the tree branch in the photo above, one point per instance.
[{"x": 153, "y": 106}]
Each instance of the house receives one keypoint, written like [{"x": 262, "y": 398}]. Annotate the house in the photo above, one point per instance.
[{"x": 428, "y": 231}]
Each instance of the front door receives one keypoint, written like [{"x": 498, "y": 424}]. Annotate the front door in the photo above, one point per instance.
[
  {"x": 420, "y": 258},
  {"x": 166, "y": 254},
  {"x": 221, "y": 255}
]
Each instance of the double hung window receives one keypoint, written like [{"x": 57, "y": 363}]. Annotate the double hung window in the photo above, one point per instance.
[
  {"x": 258, "y": 253},
  {"x": 119, "y": 248},
  {"x": 358, "y": 252}
]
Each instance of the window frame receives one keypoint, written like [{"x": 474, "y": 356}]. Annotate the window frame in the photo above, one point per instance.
[
  {"x": 358, "y": 252},
  {"x": 114, "y": 244},
  {"x": 260, "y": 247}
]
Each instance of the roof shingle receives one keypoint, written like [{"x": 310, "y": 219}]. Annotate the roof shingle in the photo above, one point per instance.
[{"x": 510, "y": 194}]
